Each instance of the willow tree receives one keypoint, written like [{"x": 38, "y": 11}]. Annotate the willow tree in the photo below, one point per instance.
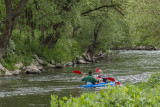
[
  {"x": 143, "y": 21},
  {"x": 101, "y": 23},
  {"x": 11, "y": 19}
]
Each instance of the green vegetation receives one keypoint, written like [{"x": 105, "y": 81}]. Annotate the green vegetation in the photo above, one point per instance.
[
  {"x": 142, "y": 95},
  {"x": 63, "y": 30},
  {"x": 142, "y": 18}
]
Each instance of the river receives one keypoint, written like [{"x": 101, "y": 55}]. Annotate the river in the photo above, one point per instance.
[{"x": 35, "y": 90}]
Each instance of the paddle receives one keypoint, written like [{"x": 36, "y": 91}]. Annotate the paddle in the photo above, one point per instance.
[
  {"x": 111, "y": 79},
  {"x": 97, "y": 70},
  {"x": 77, "y": 72},
  {"x": 117, "y": 83}
]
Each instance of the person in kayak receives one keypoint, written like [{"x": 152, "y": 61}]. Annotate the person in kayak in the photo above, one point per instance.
[
  {"x": 102, "y": 78},
  {"x": 89, "y": 79}
]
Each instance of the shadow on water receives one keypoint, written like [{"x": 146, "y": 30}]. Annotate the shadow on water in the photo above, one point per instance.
[{"x": 35, "y": 90}]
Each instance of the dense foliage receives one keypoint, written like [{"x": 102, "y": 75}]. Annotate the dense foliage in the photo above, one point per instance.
[
  {"x": 142, "y": 95},
  {"x": 143, "y": 21},
  {"x": 63, "y": 30}
]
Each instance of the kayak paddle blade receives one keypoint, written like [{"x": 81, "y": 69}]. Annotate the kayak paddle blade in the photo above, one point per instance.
[
  {"x": 97, "y": 70},
  {"x": 77, "y": 72},
  {"x": 111, "y": 79},
  {"x": 117, "y": 83}
]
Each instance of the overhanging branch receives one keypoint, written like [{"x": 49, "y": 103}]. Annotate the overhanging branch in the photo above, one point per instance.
[
  {"x": 118, "y": 10},
  {"x": 101, "y": 7},
  {"x": 105, "y": 6},
  {"x": 19, "y": 8}
]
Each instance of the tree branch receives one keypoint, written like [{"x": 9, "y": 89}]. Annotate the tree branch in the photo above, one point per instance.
[
  {"x": 105, "y": 6},
  {"x": 98, "y": 8},
  {"x": 118, "y": 10},
  {"x": 36, "y": 5},
  {"x": 19, "y": 9}
]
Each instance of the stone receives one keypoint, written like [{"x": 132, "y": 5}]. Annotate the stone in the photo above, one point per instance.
[
  {"x": 35, "y": 62},
  {"x": 32, "y": 69},
  {"x": 82, "y": 62},
  {"x": 59, "y": 66},
  {"x": 40, "y": 67},
  {"x": 19, "y": 65},
  {"x": 70, "y": 63},
  {"x": 51, "y": 66},
  {"x": 64, "y": 65},
  {"x": 40, "y": 61},
  {"x": 16, "y": 72},
  {"x": 6, "y": 72},
  {"x": 52, "y": 62}
]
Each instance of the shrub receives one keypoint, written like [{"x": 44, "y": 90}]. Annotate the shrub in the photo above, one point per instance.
[
  {"x": 125, "y": 96},
  {"x": 154, "y": 80},
  {"x": 9, "y": 61}
]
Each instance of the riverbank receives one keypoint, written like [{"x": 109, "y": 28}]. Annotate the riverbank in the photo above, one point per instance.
[
  {"x": 39, "y": 65},
  {"x": 140, "y": 47}
]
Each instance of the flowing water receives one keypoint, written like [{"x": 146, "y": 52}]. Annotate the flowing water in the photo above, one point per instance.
[{"x": 35, "y": 90}]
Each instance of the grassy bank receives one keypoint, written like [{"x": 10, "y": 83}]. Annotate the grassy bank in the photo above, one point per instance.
[{"x": 145, "y": 94}]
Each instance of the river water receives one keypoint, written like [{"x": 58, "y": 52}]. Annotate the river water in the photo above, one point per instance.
[{"x": 35, "y": 90}]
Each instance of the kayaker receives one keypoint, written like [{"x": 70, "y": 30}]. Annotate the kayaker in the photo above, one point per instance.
[
  {"x": 89, "y": 79},
  {"x": 102, "y": 78}
]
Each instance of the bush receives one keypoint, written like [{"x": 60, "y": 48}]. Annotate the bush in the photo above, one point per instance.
[
  {"x": 154, "y": 80},
  {"x": 65, "y": 49},
  {"x": 9, "y": 62},
  {"x": 126, "y": 96}
]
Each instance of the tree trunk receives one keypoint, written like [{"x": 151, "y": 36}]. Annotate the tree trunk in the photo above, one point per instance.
[
  {"x": 96, "y": 31},
  {"x": 8, "y": 28},
  {"x": 29, "y": 16},
  {"x": 90, "y": 49},
  {"x": 95, "y": 37},
  {"x": 52, "y": 39},
  {"x": 11, "y": 19},
  {"x": 42, "y": 29}
]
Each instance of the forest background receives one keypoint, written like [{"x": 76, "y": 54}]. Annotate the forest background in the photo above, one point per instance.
[{"x": 62, "y": 30}]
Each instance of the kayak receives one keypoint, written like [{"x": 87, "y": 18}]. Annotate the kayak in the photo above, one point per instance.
[{"x": 111, "y": 83}]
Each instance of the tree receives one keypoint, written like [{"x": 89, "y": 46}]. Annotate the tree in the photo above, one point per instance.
[
  {"x": 101, "y": 25},
  {"x": 11, "y": 19},
  {"x": 55, "y": 23},
  {"x": 143, "y": 20}
]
